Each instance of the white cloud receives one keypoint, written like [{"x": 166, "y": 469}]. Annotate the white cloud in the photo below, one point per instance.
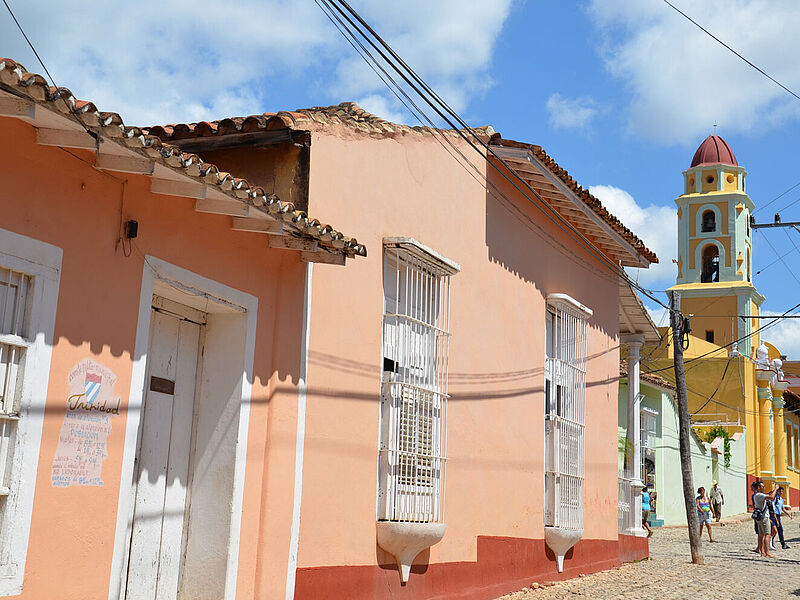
[
  {"x": 159, "y": 62},
  {"x": 571, "y": 113},
  {"x": 784, "y": 335},
  {"x": 656, "y": 226},
  {"x": 682, "y": 81},
  {"x": 378, "y": 105},
  {"x": 660, "y": 315}
]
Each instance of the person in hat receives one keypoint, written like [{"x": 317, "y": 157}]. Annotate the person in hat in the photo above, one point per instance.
[{"x": 717, "y": 500}]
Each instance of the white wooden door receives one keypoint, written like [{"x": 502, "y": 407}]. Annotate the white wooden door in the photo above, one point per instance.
[{"x": 157, "y": 538}]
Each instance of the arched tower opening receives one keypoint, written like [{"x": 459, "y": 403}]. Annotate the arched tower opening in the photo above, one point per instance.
[
  {"x": 710, "y": 272},
  {"x": 709, "y": 222}
]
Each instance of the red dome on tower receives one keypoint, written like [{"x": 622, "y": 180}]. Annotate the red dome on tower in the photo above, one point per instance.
[{"x": 714, "y": 150}]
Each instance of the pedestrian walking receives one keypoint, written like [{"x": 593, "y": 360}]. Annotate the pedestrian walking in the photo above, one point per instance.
[
  {"x": 704, "y": 512},
  {"x": 717, "y": 500},
  {"x": 761, "y": 516},
  {"x": 780, "y": 509},
  {"x": 646, "y": 510}
]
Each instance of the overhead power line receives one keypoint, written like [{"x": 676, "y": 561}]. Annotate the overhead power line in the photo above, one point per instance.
[
  {"x": 444, "y": 140},
  {"x": 357, "y": 25},
  {"x": 707, "y": 32},
  {"x": 778, "y": 197},
  {"x": 778, "y": 318},
  {"x": 47, "y": 72},
  {"x": 355, "y": 29}
]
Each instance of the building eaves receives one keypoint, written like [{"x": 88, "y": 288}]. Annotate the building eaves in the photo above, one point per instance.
[
  {"x": 16, "y": 81},
  {"x": 638, "y": 247},
  {"x": 633, "y": 316},
  {"x": 352, "y": 117}
]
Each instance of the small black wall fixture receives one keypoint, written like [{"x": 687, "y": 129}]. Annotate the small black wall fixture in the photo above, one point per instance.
[{"x": 131, "y": 229}]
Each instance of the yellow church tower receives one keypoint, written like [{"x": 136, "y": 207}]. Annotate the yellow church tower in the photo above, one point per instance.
[
  {"x": 715, "y": 249},
  {"x": 717, "y": 293}
]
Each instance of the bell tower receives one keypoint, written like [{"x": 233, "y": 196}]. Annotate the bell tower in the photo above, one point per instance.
[{"x": 714, "y": 246}]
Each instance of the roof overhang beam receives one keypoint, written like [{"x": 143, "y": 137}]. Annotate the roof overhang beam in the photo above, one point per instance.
[{"x": 526, "y": 162}]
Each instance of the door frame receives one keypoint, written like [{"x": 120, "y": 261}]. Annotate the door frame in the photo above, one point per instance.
[{"x": 217, "y": 294}]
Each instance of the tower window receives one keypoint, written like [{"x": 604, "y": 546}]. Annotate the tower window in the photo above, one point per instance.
[
  {"x": 710, "y": 336},
  {"x": 709, "y": 222},
  {"x": 710, "y": 272}
]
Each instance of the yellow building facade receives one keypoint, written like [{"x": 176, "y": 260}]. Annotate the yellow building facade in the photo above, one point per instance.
[{"x": 734, "y": 379}]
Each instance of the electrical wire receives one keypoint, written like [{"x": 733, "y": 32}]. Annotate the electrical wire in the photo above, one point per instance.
[
  {"x": 788, "y": 268},
  {"x": 778, "y": 197},
  {"x": 730, "y": 344},
  {"x": 447, "y": 114},
  {"x": 47, "y": 72},
  {"x": 706, "y": 31},
  {"x": 788, "y": 206},
  {"x": 716, "y": 389},
  {"x": 440, "y": 136},
  {"x": 742, "y": 410},
  {"x": 347, "y": 12}
]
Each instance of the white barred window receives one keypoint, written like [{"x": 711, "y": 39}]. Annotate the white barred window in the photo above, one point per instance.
[
  {"x": 29, "y": 281},
  {"x": 416, "y": 297},
  {"x": 565, "y": 395},
  {"x": 15, "y": 339}
]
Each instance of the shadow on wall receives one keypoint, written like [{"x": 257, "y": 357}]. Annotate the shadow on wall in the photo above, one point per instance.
[
  {"x": 463, "y": 386},
  {"x": 521, "y": 239}
]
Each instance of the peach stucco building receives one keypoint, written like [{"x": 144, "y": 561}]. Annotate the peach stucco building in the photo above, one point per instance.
[{"x": 231, "y": 399}]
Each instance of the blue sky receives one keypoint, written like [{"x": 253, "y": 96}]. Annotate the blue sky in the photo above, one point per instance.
[{"x": 619, "y": 92}]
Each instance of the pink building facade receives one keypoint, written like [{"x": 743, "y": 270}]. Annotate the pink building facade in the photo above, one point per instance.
[{"x": 241, "y": 402}]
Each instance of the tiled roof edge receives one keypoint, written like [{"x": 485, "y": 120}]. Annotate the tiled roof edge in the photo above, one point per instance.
[
  {"x": 651, "y": 378},
  {"x": 110, "y": 125},
  {"x": 348, "y": 114},
  {"x": 582, "y": 193}
]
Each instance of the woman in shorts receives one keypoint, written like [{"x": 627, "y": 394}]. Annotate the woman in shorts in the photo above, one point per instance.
[
  {"x": 704, "y": 512},
  {"x": 646, "y": 511}
]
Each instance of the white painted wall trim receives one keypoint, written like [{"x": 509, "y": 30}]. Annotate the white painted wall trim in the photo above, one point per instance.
[
  {"x": 43, "y": 262},
  {"x": 294, "y": 542},
  {"x": 155, "y": 268}
]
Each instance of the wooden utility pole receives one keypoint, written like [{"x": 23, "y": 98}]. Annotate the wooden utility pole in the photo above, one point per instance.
[{"x": 676, "y": 322}]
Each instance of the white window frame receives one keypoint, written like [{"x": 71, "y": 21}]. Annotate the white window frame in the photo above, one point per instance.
[
  {"x": 793, "y": 447},
  {"x": 42, "y": 263},
  {"x": 648, "y": 432},
  {"x": 566, "y": 330},
  {"x": 414, "y": 355}
]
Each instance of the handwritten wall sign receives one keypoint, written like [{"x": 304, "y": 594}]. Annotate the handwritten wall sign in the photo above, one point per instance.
[{"x": 82, "y": 446}]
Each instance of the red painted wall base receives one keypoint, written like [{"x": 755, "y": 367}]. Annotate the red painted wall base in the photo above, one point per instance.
[{"x": 504, "y": 565}]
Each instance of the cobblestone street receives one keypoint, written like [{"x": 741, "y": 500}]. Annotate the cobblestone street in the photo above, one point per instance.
[{"x": 731, "y": 571}]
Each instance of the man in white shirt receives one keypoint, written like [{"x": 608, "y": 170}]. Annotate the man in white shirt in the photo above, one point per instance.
[
  {"x": 760, "y": 500},
  {"x": 717, "y": 500}
]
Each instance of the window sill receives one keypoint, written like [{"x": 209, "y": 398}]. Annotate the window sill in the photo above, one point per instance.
[
  {"x": 405, "y": 541},
  {"x": 560, "y": 540}
]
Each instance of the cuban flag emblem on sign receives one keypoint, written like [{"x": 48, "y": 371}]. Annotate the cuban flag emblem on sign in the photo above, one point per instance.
[{"x": 92, "y": 383}]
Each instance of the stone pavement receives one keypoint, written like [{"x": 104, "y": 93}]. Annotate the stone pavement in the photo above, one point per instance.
[{"x": 731, "y": 571}]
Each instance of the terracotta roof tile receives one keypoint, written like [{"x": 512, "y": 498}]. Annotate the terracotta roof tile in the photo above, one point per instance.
[
  {"x": 590, "y": 200},
  {"x": 648, "y": 377},
  {"x": 150, "y": 143},
  {"x": 351, "y": 115},
  {"x": 348, "y": 114}
]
